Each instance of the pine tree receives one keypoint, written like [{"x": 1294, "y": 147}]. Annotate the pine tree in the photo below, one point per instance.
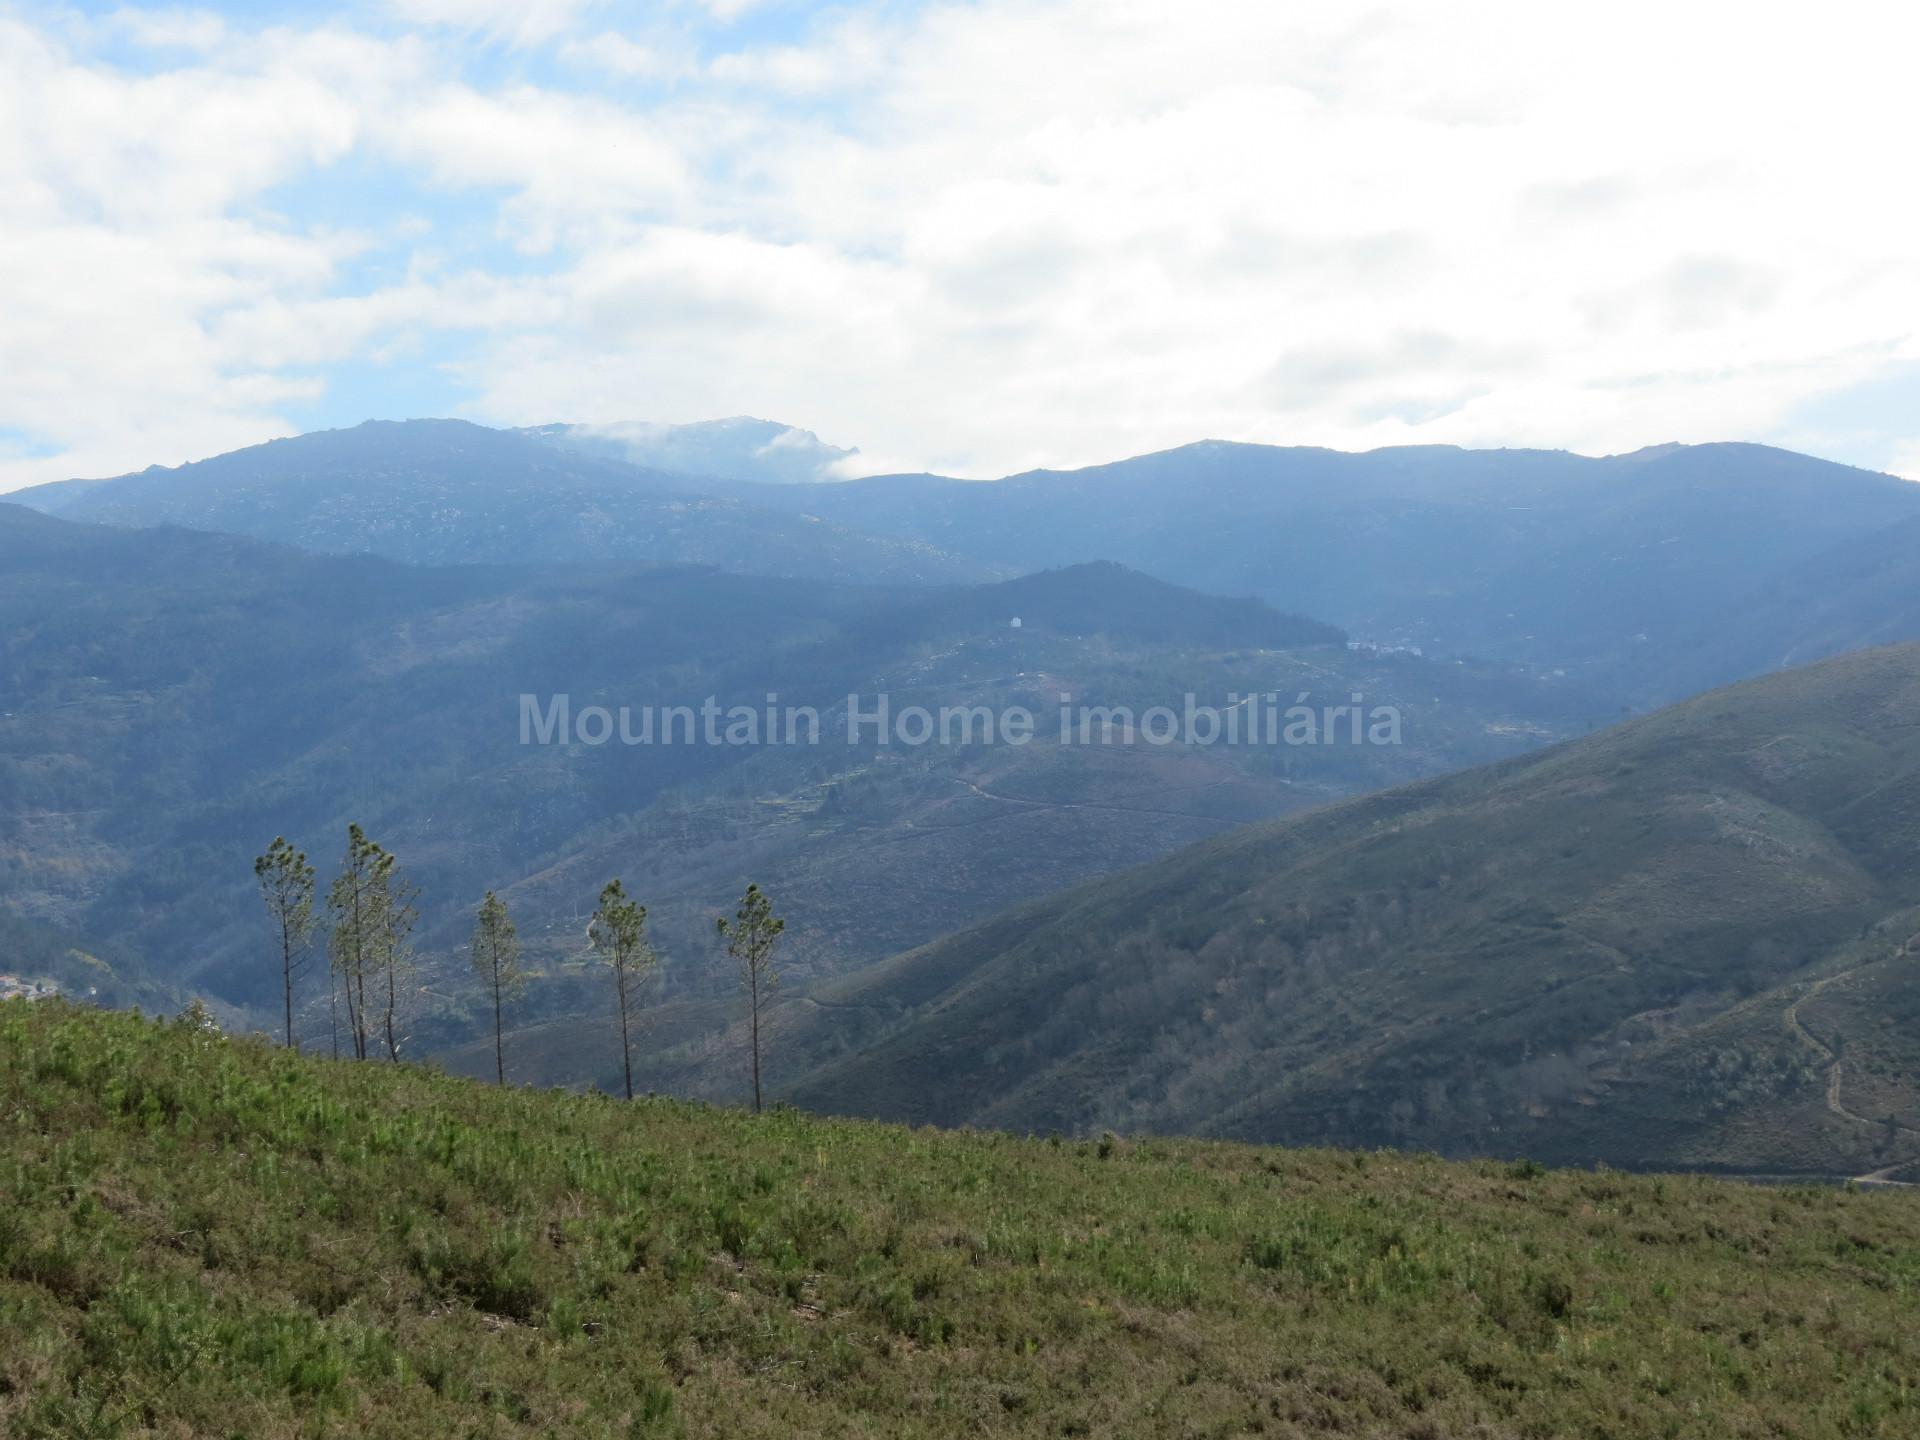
[
  {"x": 750, "y": 940},
  {"x": 618, "y": 934},
  {"x": 395, "y": 912},
  {"x": 496, "y": 959},
  {"x": 351, "y": 905},
  {"x": 372, "y": 912},
  {"x": 286, "y": 887}
]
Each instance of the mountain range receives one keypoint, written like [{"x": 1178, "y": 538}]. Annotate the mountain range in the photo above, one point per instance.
[
  {"x": 170, "y": 699},
  {"x": 1679, "y": 937},
  {"x": 1647, "y": 576},
  {"x": 1691, "y": 941},
  {"x": 445, "y": 492}
]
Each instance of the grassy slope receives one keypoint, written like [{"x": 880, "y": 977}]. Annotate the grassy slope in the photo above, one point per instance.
[
  {"x": 212, "y": 1237},
  {"x": 1543, "y": 955}
]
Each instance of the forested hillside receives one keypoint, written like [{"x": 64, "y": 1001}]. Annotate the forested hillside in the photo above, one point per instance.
[
  {"x": 173, "y": 700},
  {"x": 1693, "y": 939}
]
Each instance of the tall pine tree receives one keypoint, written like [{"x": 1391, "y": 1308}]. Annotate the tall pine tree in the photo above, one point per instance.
[
  {"x": 750, "y": 938},
  {"x": 618, "y": 934},
  {"x": 496, "y": 960},
  {"x": 352, "y": 912},
  {"x": 286, "y": 887},
  {"x": 371, "y": 909}
]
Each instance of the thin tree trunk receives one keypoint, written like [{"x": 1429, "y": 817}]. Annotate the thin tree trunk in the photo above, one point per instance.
[
  {"x": 499, "y": 1050},
  {"x": 349, "y": 981},
  {"x": 393, "y": 982},
  {"x": 360, "y": 1010},
  {"x": 357, "y": 981},
  {"x": 626, "y": 1046},
  {"x": 333, "y": 1008},
  {"x": 755, "y": 988},
  {"x": 286, "y": 974}
]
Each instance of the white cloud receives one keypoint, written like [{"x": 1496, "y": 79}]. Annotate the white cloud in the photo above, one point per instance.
[
  {"x": 171, "y": 29},
  {"x": 515, "y": 22},
  {"x": 621, "y": 55},
  {"x": 985, "y": 236}
]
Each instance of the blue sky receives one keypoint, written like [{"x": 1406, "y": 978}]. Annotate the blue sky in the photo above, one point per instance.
[{"x": 973, "y": 237}]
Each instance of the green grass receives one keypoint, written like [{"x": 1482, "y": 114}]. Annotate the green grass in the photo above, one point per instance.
[{"x": 206, "y": 1236}]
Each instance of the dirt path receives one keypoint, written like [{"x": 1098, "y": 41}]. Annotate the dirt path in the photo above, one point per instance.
[
  {"x": 1100, "y": 805},
  {"x": 1835, "y": 1102}
]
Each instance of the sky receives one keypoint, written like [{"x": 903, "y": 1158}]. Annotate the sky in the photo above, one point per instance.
[{"x": 970, "y": 238}]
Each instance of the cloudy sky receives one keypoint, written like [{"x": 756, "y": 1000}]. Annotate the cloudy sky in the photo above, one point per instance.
[{"x": 964, "y": 237}]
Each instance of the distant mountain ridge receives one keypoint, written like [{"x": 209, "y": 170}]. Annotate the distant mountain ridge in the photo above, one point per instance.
[
  {"x": 1648, "y": 575},
  {"x": 1545, "y": 557},
  {"x": 441, "y": 492}
]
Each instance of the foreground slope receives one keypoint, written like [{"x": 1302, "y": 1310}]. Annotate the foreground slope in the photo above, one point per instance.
[
  {"x": 1650, "y": 946},
  {"x": 212, "y": 1237}
]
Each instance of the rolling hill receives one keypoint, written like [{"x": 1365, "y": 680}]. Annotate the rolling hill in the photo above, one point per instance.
[
  {"x": 1693, "y": 939},
  {"x": 207, "y": 1236}
]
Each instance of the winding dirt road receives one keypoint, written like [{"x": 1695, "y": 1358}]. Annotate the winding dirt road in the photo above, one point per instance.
[{"x": 1835, "y": 1101}]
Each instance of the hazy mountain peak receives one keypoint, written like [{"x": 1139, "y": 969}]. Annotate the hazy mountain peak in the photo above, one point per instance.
[{"x": 739, "y": 447}]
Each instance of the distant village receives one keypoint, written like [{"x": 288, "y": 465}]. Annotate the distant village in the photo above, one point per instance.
[{"x": 14, "y": 987}]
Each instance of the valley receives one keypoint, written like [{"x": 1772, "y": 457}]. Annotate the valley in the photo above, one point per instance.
[
  {"x": 1054, "y": 935},
  {"x": 145, "y": 766}
]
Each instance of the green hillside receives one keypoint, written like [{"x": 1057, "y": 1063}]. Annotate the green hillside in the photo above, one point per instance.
[
  {"x": 1685, "y": 941},
  {"x": 211, "y": 1237}
]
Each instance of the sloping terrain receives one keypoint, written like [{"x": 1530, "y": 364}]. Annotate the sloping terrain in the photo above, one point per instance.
[
  {"x": 212, "y": 1237},
  {"x": 171, "y": 700},
  {"x": 1861, "y": 593},
  {"x": 38, "y": 959},
  {"x": 1685, "y": 940}
]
